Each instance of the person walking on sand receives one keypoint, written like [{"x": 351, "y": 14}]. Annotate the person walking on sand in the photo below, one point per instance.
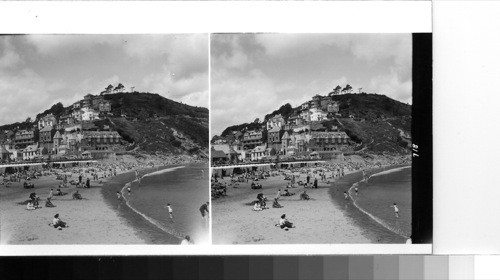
[
  {"x": 118, "y": 196},
  {"x": 204, "y": 210},
  {"x": 356, "y": 190},
  {"x": 51, "y": 194},
  {"x": 396, "y": 210},
  {"x": 278, "y": 194},
  {"x": 88, "y": 183},
  {"x": 129, "y": 190},
  {"x": 315, "y": 183},
  {"x": 170, "y": 211},
  {"x": 346, "y": 196}
]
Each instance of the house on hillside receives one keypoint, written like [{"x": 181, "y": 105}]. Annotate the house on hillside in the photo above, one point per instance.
[
  {"x": 47, "y": 120},
  {"x": 89, "y": 114},
  {"x": 46, "y": 137},
  {"x": 218, "y": 157},
  {"x": 328, "y": 141},
  {"x": 258, "y": 153},
  {"x": 87, "y": 101},
  {"x": 230, "y": 153},
  {"x": 317, "y": 115},
  {"x": 31, "y": 152},
  {"x": 99, "y": 140},
  {"x": 252, "y": 139},
  {"x": 24, "y": 138},
  {"x": 333, "y": 107},
  {"x": 274, "y": 138},
  {"x": 275, "y": 121}
]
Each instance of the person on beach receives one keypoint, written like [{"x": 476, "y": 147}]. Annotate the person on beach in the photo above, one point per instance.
[
  {"x": 284, "y": 223},
  {"x": 57, "y": 223},
  {"x": 30, "y": 206},
  {"x": 204, "y": 210},
  {"x": 186, "y": 240},
  {"x": 346, "y": 196},
  {"x": 396, "y": 210},
  {"x": 79, "y": 179},
  {"x": 48, "y": 203},
  {"x": 278, "y": 195},
  {"x": 315, "y": 183},
  {"x": 257, "y": 206},
  {"x": 88, "y": 183},
  {"x": 77, "y": 196},
  {"x": 170, "y": 211},
  {"x": 129, "y": 190},
  {"x": 356, "y": 190},
  {"x": 304, "y": 196},
  {"x": 51, "y": 194},
  {"x": 276, "y": 204},
  {"x": 118, "y": 196}
]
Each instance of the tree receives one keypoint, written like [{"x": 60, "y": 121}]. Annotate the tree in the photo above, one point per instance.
[
  {"x": 109, "y": 88},
  {"x": 119, "y": 87},
  {"x": 337, "y": 89},
  {"x": 256, "y": 120},
  {"x": 28, "y": 120},
  {"x": 347, "y": 88}
]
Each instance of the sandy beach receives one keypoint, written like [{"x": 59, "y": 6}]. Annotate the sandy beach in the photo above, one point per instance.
[
  {"x": 317, "y": 221},
  {"x": 91, "y": 220}
]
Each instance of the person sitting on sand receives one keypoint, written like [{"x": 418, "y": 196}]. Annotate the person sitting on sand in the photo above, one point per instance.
[
  {"x": 257, "y": 206},
  {"x": 48, "y": 203},
  {"x": 58, "y": 192},
  {"x": 77, "y": 195},
  {"x": 284, "y": 223},
  {"x": 30, "y": 206},
  {"x": 186, "y": 240},
  {"x": 276, "y": 204},
  {"x": 57, "y": 223},
  {"x": 287, "y": 193},
  {"x": 304, "y": 196}
]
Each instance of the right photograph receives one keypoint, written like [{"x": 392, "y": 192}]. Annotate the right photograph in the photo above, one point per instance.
[{"x": 311, "y": 139}]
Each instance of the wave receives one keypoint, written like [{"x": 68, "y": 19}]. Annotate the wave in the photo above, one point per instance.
[
  {"x": 163, "y": 171},
  {"x": 390, "y": 171},
  {"x": 379, "y": 221}
]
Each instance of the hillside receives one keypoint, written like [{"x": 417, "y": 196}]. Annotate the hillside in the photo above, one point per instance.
[
  {"x": 375, "y": 123},
  {"x": 148, "y": 123},
  {"x": 157, "y": 124}
]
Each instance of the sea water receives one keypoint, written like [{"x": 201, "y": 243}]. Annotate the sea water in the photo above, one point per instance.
[
  {"x": 383, "y": 189},
  {"x": 185, "y": 188}
]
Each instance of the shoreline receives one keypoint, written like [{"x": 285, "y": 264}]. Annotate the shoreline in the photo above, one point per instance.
[
  {"x": 148, "y": 230},
  {"x": 382, "y": 234}
]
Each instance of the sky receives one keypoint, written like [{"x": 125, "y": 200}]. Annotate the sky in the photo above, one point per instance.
[
  {"x": 37, "y": 71},
  {"x": 254, "y": 74}
]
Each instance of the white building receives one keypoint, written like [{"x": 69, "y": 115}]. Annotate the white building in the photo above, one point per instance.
[
  {"x": 317, "y": 115},
  {"x": 89, "y": 114},
  {"x": 258, "y": 153}
]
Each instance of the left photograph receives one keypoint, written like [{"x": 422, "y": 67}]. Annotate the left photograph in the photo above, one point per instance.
[{"x": 104, "y": 139}]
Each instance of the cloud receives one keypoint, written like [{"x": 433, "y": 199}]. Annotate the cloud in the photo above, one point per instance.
[
  {"x": 189, "y": 90},
  {"x": 9, "y": 58},
  {"x": 393, "y": 86}
]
